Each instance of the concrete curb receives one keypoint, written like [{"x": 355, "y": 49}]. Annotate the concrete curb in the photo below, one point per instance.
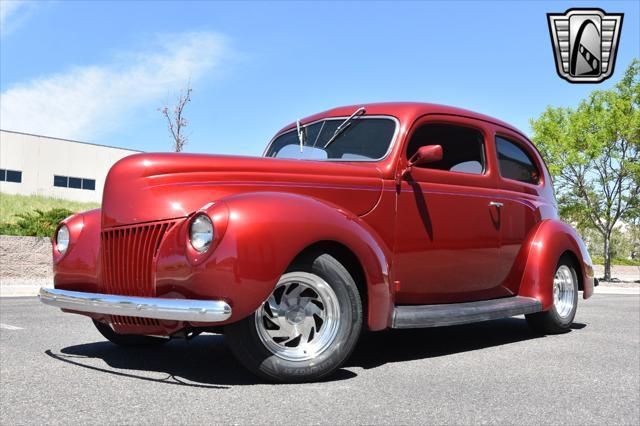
[
  {"x": 19, "y": 291},
  {"x": 616, "y": 290},
  {"x": 23, "y": 288}
]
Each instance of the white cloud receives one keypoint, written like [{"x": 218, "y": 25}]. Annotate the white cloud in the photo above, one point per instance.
[
  {"x": 8, "y": 7},
  {"x": 13, "y": 13},
  {"x": 90, "y": 100}
]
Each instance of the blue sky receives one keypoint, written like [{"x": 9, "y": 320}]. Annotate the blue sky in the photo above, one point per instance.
[{"x": 98, "y": 71}]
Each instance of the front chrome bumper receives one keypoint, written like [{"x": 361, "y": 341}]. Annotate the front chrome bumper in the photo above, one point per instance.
[{"x": 143, "y": 307}]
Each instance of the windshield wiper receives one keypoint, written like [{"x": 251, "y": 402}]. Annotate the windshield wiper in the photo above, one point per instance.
[
  {"x": 341, "y": 128},
  {"x": 301, "y": 134}
]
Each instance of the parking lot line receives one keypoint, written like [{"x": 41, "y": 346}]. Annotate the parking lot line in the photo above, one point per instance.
[{"x": 9, "y": 327}]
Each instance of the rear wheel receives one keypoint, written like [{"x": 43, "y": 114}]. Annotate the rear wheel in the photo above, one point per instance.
[
  {"x": 307, "y": 327},
  {"x": 127, "y": 339},
  {"x": 559, "y": 318}
]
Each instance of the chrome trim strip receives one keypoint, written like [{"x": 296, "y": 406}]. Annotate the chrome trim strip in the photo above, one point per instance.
[
  {"x": 422, "y": 316},
  {"x": 143, "y": 307},
  {"x": 392, "y": 142}
]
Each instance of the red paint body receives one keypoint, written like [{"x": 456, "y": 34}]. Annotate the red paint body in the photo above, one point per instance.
[{"x": 430, "y": 232}]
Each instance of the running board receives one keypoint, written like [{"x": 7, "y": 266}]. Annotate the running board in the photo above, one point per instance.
[{"x": 419, "y": 316}]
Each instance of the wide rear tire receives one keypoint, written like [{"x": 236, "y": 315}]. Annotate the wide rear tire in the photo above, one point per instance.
[{"x": 306, "y": 329}]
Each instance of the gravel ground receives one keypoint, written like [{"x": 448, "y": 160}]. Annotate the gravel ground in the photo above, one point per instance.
[
  {"x": 629, "y": 274},
  {"x": 55, "y": 368}
]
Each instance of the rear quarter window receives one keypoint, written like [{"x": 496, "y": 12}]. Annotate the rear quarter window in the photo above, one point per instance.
[{"x": 515, "y": 163}]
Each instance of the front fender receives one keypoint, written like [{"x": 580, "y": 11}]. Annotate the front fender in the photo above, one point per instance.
[
  {"x": 78, "y": 268},
  {"x": 265, "y": 231},
  {"x": 547, "y": 244}
]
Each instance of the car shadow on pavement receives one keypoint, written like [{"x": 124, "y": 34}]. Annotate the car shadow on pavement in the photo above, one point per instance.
[
  {"x": 206, "y": 362},
  {"x": 376, "y": 349},
  {"x": 202, "y": 362}
]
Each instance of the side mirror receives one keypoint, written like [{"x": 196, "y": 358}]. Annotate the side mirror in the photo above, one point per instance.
[{"x": 426, "y": 154}]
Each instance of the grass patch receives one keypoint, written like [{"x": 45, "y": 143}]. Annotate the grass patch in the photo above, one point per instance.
[
  {"x": 35, "y": 215},
  {"x": 599, "y": 260}
]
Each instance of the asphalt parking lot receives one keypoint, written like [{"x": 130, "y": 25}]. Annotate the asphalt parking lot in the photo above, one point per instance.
[{"x": 55, "y": 368}]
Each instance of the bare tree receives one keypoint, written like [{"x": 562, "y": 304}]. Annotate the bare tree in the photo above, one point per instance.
[{"x": 176, "y": 122}]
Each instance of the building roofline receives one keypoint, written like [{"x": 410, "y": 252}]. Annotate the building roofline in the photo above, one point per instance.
[{"x": 69, "y": 140}]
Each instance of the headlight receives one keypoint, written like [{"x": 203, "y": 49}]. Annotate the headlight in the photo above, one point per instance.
[
  {"x": 201, "y": 233},
  {"x": 62, "y": 239}
]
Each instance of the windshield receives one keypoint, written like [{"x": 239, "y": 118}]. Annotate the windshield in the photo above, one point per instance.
[{"x": 365, "y": 139}]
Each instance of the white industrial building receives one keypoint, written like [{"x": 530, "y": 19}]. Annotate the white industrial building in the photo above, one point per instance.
[{"x": 52, "y": 167}]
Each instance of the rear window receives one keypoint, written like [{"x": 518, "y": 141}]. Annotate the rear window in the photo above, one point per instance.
[{"x": 515, "y": 163}]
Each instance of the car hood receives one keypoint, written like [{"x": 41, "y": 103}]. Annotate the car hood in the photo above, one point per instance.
[{"x": 151, "y": 187}]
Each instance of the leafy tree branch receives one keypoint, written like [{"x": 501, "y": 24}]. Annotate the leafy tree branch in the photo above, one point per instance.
[{"x": 593, "y": 155}]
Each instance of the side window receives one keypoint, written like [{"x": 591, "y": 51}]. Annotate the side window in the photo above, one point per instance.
[
  {"x": 515, "y": 163},
  {"x": 62, "y": 181},
  {"x": 462, "y": 147},
  {"x": 74, "y": 182},
  {"x": 10, "y": 176}
]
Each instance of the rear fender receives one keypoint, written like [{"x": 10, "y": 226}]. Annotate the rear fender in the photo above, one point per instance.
[
  {"x": 264, "y": 232},
  {"x": 547, "y": 244}
]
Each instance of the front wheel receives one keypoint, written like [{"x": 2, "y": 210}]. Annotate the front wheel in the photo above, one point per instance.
[
  {"x": 307, "y": 327},
  {"x": 559, "y": 318}
]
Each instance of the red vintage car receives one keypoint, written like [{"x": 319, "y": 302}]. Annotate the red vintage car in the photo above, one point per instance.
[{"x": 390, "y": 215}]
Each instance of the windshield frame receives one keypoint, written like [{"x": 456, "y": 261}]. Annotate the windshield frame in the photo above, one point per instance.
[{"x": 392, "y": 142}]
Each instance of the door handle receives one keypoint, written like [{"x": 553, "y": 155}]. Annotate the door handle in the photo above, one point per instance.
[{"x": 495, "y": 204}]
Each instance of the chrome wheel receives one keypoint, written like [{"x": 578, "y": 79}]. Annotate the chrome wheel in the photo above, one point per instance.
[
  {"x": 300, "y": 319},
  {"x": 564, "y": 288}
]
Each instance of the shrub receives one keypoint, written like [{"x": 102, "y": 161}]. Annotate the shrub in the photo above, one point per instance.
[
  {"x": 37, "y": 223},
  {"x": 12, "y": 205}
]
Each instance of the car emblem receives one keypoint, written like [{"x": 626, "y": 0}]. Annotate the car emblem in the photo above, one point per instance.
[{"x": 585, "y": 43}]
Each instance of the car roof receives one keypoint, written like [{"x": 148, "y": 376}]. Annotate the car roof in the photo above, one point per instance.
[{"x": 405, "y": 109}]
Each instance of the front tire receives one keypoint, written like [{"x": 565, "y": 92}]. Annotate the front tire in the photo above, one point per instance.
[
  {"x": 127, "y": 339},
  {"x": 308, "y": 326},
  {"x": 559, "y": 318}
]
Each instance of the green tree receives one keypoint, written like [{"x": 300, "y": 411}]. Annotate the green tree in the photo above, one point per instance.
[{"x": 592, "y": 153}]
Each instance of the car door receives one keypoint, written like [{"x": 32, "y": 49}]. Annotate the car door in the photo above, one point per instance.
[
  {"x": 447, "y": 224},
  {"x": 520, "y": 183}
]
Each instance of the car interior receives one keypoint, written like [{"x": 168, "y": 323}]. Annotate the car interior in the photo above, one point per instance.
[{"x": 462, "y": 147}]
